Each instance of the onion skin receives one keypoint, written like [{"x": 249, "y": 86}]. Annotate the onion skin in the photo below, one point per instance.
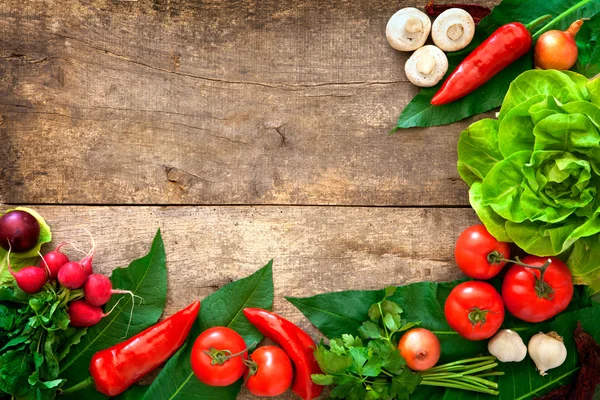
[
  {"x": 420, "y": 348},
  {"x": 557, "y": 49}
]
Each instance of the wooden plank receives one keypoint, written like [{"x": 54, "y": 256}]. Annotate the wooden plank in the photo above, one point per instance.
[
  {"x": 212, "y": 102},
  {"x": 315, "y": 249}
]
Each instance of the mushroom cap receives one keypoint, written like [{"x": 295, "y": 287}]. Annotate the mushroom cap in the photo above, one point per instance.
[
  {"x": 453, "y": 29},
  {"x": 408, "y": 29},
  {"x": 426, "y": 66}
]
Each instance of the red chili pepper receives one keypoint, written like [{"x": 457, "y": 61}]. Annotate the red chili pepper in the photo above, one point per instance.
[
  {"x": 298, "y": 345},
  {"x": 118, "y": 367},
  {"x": 507, "y": 44}
]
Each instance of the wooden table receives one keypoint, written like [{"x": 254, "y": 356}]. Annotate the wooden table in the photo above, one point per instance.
[{"x": 246, "y": 130}]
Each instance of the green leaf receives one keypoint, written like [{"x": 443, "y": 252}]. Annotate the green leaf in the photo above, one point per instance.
[
  {"x": 135, "y": 392},
  {"x": 351, "y": 341},
  {"x": 420, "y": 113},
  {"x": 330, "y": 362},
  {"x": 15, "y": 368},
  {"x": 369, "y": 330},
  {"x": 145, "y": 277},
  {"x": 19, "y": 260},
  {"x": 222, "y": 308},
  {"x": 321, "y": 379},
  {"x": 344, "y": 312}
]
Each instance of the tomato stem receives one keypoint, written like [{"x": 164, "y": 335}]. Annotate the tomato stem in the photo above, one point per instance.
[
  {"x": 220, "y": 357},
  {"x": 477, "y": 316}
]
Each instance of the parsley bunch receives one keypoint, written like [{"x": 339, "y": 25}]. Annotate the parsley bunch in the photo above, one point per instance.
[
  {"x": 370, "y": 367},
  {"x": 34, "y": 337}
]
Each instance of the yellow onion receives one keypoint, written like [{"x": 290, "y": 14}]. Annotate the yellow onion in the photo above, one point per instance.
[{"x": 557, "y": 49}]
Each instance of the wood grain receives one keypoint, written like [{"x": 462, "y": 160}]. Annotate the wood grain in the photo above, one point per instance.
[{"x": 212, "y": 102}]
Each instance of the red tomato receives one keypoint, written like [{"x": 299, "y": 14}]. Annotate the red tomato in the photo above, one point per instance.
[
  {"x": 271, "y": 374},
  {"x": 474, "y": 310},
  {"x": 475, "y": 251},
  {"x": 532, "y": 298},
  {"x": 227, "y": 351}
]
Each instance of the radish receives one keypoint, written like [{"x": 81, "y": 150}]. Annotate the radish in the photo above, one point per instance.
[
  {"x": 29, "y": 279},
  {"x": 87, "y": 260},
  {"x": 72, "y": 275},
  {"x": 97, "y": 290},
  {"x": 83, "y": 314},
  {"x": 54, "y": 260}
]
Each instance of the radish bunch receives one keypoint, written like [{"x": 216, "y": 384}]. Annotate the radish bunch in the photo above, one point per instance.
[{"x": 72, "y": 275}]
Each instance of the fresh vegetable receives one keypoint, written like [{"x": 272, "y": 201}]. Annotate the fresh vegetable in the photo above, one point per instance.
[
  {"x": 221, "y": 308},
  {"x": 419, "y": 111},
  {"x": 19, "y": 230},
  {"x": 218, "y": 356},
  {"x": 408, "y": 29},
  {"x": 507, "y": 346},
  {"x": 537, "y": 289},
  {"x": 453, "y": 29},
  {"x": 116, "y": 368},
  {"x": 532, "y": 171},
  {"x": 343, "y": 311},
  {"x": 476, "y": 11},
  {"x": 72, "y": 275},
  {"x": 83, "y": 315},
  {"x": 86, "y": 262},
  {"x": 53, "y": 260},
  {"x": 420, "y": 348},
  {"x": 426, "y": 66},
  {"x": 145, "y": 277},
  {"x": 297, "y": 344},
  {"x": 506, "y": 45},
  {"x": 34, "y": 337},
  {"x": 478, "y": 254},
  {"x": 589, "y": 374},
  {"x": 270, "y": 372},
  {"x": 474, "y": 310},
  {"x": 557, "y": 49},
  {"x": 30, "y": 279},
  {"x": 370, "y": 366},
  {"x": 97, "y": 290},
  {"x": 547, "y": 351}
]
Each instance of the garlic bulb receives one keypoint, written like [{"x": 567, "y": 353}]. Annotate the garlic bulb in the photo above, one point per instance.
[
  {"x": 507, "y": 346},
  {"x": 547, "y": 351}
]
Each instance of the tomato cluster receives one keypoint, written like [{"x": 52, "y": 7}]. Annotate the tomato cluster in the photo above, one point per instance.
[
  {"x": 533, "y": 289},
  {"x": 220, "y": 357}
]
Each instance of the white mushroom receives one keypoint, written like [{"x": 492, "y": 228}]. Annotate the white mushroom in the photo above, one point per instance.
[
  {"x": 408, "y": 29},
  {"x": 427, "y": 66},
  {"x": 453, "y": 29}
]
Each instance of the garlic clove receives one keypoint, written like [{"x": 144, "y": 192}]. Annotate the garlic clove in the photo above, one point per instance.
[
  {"x": 507, "y": 346},
  {"x": 547, "y": 351}
]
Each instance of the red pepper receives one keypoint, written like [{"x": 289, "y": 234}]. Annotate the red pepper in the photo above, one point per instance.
[
  {"x": 118, "y": 367},
  {"x": 507, "y": 44},
  {"x": 298, "y": 345}
]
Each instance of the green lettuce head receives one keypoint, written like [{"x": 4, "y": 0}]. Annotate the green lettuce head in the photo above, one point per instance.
[{"x": 534, "y": 172}]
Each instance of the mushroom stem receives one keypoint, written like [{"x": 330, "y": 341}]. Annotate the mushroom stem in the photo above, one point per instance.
[
  {"x": 426, "y": 65},
  {"x": 413, "y": 25},
  {"x": 455, "y": 31}
]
